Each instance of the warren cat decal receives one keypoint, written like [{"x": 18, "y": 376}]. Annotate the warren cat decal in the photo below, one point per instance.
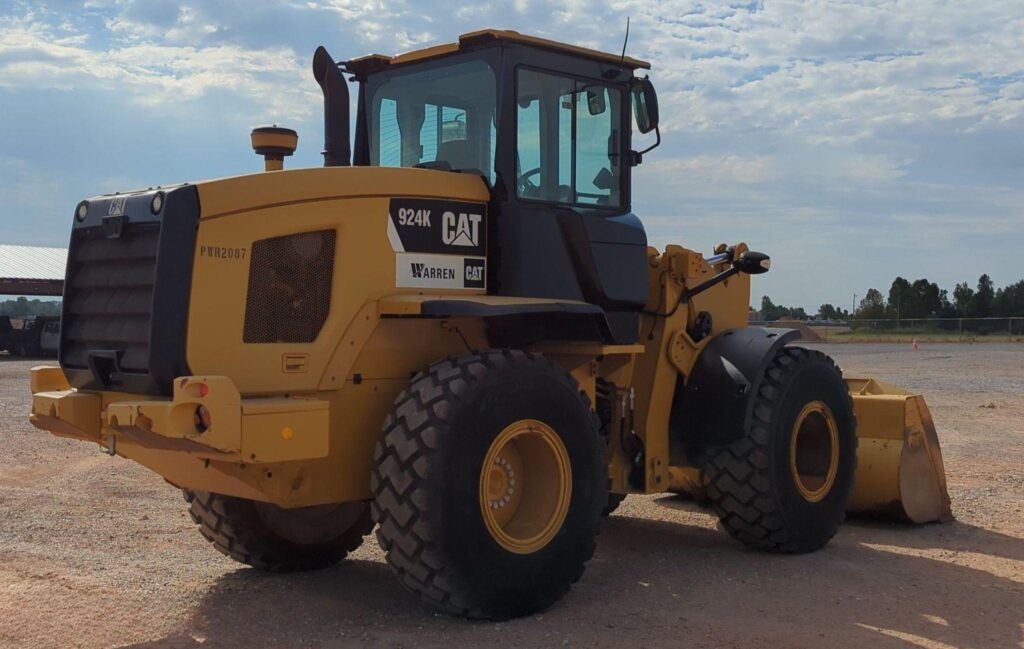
[
  {"x": 438, "y": 243},
  {"x": 416, "y": 270}
]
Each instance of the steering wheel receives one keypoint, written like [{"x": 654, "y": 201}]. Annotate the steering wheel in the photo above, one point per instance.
[{"x": 524, "y": 187}]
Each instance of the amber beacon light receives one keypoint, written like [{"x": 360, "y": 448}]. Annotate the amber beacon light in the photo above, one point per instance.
[{"x": 274, "y": 143}]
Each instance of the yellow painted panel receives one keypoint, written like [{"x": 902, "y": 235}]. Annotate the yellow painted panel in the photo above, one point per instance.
[
  {"x": 79, "y": 411},
  {"x": 364, "y": 271},
  {"x": 880, "y": 416},
  {"x": 284, "y": 429},
  {"x": 262, "y": 190},
  {"x": 48, "y": 379}
]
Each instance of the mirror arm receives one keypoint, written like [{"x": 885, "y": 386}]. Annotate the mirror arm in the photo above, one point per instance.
[
  {"x": 637, "y": 157},
  {"x": 714, "y": 281}
]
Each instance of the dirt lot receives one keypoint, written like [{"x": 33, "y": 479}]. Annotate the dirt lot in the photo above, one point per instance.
[{"x": 96, "y": 552}]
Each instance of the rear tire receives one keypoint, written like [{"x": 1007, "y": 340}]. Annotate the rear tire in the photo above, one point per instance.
[
  {"x": 272, "y": 538},
  {"x": 442, "y": 450},
  {"x": 785, "y": 485}
]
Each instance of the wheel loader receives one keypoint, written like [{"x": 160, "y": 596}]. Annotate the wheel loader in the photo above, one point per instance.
[{"x": 456, "y": 332}]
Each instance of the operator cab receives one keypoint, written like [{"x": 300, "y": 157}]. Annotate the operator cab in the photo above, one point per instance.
[{"x": 548, "y": 127}]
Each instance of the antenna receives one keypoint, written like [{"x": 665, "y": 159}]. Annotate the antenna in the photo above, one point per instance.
[
  {"x": 613, "y": 73},
  {"x": 622, "y": 61}
]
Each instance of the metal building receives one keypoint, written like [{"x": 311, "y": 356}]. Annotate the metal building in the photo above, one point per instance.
[{"x": 32, "y": 270}]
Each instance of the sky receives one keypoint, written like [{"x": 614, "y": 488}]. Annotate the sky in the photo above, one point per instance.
[{"x": 851, "y": 141}]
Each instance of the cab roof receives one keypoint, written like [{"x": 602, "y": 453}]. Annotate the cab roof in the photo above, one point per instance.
[{"x": 475, "y": 39}]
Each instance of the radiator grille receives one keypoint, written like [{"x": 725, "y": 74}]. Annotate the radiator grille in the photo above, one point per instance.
[
  {"x": 289, "y": 288},
  {"x": 109, "y": 296}
]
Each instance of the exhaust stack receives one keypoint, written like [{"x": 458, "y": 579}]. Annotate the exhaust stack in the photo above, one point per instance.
[{"x": 337, "y": 150}]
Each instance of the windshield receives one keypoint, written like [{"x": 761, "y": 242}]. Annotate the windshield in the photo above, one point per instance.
[{"x": 442, "y": 117}]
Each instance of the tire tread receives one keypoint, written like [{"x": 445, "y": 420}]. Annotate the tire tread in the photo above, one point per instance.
[
  {"x": 401, "y": 475},
  {"x": 739, "y": 486},
  {"x": 223, "y": 521}
]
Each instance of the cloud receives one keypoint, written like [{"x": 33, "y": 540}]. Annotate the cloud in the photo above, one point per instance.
[
  {"x": 852, "y": 140},
  {"x": 36, "y": 56}
]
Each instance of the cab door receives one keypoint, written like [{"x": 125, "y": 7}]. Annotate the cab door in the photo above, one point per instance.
[{"x": 566, "y": 232}]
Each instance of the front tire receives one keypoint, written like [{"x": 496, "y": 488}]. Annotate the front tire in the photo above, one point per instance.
[
  {"x": 614, "y": 500},
  {"x": 489, "y": 484},
  {"x": 268, "y": 537},
  {"x": 785, "y": 485}
]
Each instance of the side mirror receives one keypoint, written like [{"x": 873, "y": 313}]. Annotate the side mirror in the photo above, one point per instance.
[
  {"x": 645, "y": 105},
  {"x": 753, "y": 263},
  {"x": 596, "y": 104}
]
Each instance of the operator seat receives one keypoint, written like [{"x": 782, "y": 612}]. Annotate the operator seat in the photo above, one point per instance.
[{"x": 459, "y": 155}]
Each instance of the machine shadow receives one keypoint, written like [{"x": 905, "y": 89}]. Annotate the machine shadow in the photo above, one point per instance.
[
  {"x": 645, "y": 573},
  {"x": 955, "y": 536}
]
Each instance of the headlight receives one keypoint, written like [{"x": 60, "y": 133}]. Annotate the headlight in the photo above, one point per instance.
[
  {"x": 157, "y": 204},
  {"x": 81, "y": 211}
]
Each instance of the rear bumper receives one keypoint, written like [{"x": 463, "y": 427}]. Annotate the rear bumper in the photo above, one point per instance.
[{"x": 243, "y": 431}]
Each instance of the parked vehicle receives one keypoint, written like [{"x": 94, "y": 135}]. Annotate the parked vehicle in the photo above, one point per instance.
[
  {"x": 49, "y": 338},
  {"x": 26, "y": 336},
  {"x": 6, "y": 334}
]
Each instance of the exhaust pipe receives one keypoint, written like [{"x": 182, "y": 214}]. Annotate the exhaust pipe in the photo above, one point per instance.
[{"x": 337, "y": 150}]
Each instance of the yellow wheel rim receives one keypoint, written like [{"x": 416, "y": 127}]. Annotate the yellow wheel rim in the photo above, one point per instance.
[
  {"x": 814, "y": 451},
  {"x": 525, "y": 486}
]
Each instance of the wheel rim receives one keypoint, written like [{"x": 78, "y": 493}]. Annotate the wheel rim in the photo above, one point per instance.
[
  {"x": 525, "y": 486},
  {"x": 814, "y": 451}
]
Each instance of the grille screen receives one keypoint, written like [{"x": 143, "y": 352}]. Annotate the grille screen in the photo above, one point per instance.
[
  {"x": 289, "y": 288},
  {"x": 109, "y": 296}
]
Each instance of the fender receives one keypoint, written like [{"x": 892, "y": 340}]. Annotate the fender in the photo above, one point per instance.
[
  {"x": 716, "y": 403},
  {"x": 511, "y": 321}
]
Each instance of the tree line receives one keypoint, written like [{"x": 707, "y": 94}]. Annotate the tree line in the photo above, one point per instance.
[
  {"x": 22, "y": 307},
  {"x": 919, "y": 299}
]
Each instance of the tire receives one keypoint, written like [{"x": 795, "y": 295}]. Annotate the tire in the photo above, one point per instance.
[
  {"x": 614, "y": 500},
  {"x": 756, "y": 485},
  {"x": 429, "y": 485},
  {"x": 268, "y": 537}
]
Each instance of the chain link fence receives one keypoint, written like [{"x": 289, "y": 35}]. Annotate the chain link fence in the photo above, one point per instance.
[{"x": 910, "y": 329}]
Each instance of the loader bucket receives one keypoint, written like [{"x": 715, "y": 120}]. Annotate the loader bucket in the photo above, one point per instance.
[{"x": 899, "y": 464}]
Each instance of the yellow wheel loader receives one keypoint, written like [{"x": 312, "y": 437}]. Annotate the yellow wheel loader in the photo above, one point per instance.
[{"x": 456, "y": 331}]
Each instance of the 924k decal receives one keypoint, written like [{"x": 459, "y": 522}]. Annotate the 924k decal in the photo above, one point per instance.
[{"x": 438, "y": 227}]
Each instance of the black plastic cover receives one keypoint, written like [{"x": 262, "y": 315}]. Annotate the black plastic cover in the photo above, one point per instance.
[
  {"x": 126, "y": 292},
  {"x": 519, "y": 325},
  {"x": 609, "y": 255},
  {"x": 717, "y": 402}
]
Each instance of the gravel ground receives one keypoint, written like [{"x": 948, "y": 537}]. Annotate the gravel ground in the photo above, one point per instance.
[{"x": 97, "y": 552}]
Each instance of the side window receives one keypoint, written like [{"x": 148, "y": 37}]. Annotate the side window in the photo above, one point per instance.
[
  {"x": 429, "y": 135},
  {"x": 390, "y": 142},
  {"x": 568, "y": 140},
  {"x": 597, "y": 146},
  {"x": 544, "y": 137},
  {"x": 443, "y": 137},
  {"x": 528, "y": 149}
]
